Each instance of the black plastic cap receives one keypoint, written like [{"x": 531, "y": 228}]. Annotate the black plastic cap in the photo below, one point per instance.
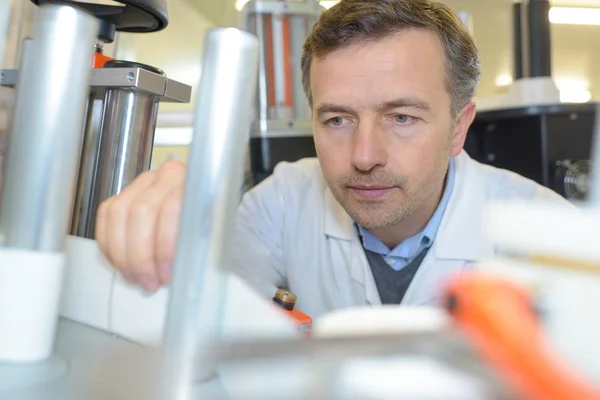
[
  {"x": 136, "y": 16},
  {"x": 107, "y": 31},
  {"x": 132, "y": 64}
]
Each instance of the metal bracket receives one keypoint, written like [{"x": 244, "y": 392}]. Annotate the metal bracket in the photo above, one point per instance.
[{"x": 169, "y": 90}]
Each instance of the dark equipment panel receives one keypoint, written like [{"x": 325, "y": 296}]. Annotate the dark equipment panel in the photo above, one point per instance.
[
  {"x": 266, "y": 153},
  {"x": 543, "y": 143}
]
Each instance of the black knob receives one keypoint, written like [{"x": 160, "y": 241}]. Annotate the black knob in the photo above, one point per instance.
[{"x": 136, "y": 16}]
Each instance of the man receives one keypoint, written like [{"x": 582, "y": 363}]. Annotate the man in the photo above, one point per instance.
[{"x": 393, "y": 205}]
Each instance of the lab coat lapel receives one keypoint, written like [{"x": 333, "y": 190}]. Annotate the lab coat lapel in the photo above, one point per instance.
[
  {"x": 461, "y": 235},
  {"x": 339, "y": 225},
  {"x": 460, "y": 240}
]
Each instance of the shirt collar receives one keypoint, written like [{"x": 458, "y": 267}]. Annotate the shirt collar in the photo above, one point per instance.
[{"x": 414, "y": 245}]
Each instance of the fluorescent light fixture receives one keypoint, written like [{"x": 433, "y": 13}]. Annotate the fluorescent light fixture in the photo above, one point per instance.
[
  {"x": 504, "y": 80},
  {"x": 239, "y": 4},
  {"x": 573, "y": 90},
  {"x": 574, "y": 16},
  {"x": 329, "y": 4}
]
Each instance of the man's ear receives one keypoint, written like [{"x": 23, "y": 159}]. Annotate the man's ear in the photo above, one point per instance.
[{"x": 461, "y": 127}]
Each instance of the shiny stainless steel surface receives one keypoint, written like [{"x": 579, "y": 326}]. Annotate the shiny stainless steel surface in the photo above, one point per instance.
[
  {"x": 215, "y": 174},
  {"x": 169, "y": 90},
  {"x": 126, "y": 138},
  {"x": 82, "y": 209},
  {"x": 41, "y": 162}
]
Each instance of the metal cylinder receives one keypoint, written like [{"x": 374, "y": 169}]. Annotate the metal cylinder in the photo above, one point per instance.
[
  {"x": 282, "y": 28},
  {"x": 214, "y": 176},
  {"x": 540, "y": 62},
  {"x": 125, "y": 146},
  {"x": 4, "y": 22},
  {"x": 45, "y": 139},
  {"x": 88, "y": 166},
  {"x": 532, "y": 44},
  {"x": 517, "y": 46}
]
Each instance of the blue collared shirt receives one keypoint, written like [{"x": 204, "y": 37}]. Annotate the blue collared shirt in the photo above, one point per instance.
[{"x": 401, "y": 255}]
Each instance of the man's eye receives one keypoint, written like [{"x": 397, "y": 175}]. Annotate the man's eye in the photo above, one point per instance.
[
  {"x": 337, "y": 121},
  {"x": 402, "y": 119}
]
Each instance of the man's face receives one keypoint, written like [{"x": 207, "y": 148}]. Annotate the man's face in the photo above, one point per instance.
[{"x": 383, "y": 127}]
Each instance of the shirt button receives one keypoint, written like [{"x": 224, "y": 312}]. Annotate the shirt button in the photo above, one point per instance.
[{"x": 390, "y": 261}]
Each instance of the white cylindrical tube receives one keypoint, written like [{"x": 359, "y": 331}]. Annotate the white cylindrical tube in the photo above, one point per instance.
[
  {"x": 214, "y": 178},
  {"x": 30, "y": 287},
  {"x": 41, "y": 162}
]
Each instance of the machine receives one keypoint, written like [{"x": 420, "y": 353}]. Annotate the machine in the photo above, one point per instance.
[
  {"x": 282, "y": 126},
  {"x": 529, "y": 130}
]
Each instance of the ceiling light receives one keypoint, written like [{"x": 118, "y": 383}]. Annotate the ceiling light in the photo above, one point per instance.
[
  {"x": 329, "y": 4},
  {"x": 504, "y": 80},
  {"x": 574, "y": 16}
]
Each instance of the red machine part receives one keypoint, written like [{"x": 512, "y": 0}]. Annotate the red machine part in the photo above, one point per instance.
[
  {"x": 499, "y": 319},
  {"x": 99, "y": 59}
]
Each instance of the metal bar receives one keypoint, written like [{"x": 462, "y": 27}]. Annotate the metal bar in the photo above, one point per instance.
[
  {"x": 517, "y": 46},
  {"x": 126, "y": 137},
  {"x": 300, "y": 26},
  {"x": 594, "y": 197},
  {"x": 540, "y": 61},
  {"x": 525, "y": 53},
  {"x": 4, "y": 22},
  {"x": 214, "y": 175},
  {"x": 41, "y": 164},
  {"x": 88, "y": 168},
  {"x": 138, "y": 78},
  {"x": 279, "y": 66}
]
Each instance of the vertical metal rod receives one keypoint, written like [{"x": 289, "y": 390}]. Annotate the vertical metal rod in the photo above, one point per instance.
[
  {"x": 540, "y": 61},
  {"x": 525, "y": 53},
  {"x": 279, "y": 62},
  {"x": 45, "y": 139},
  {"x": 517, "y": 46},
  {"x": 594, "y": 197},
  {"x": 214, "y": 176},
  {"x": 4, "y": 22},
  {"x": 300, "y": 26}
]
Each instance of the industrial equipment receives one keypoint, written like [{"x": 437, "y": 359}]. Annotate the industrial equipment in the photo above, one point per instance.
[
  {"x": 529, "y": 130},
  {"x": 282, "y": 125}
]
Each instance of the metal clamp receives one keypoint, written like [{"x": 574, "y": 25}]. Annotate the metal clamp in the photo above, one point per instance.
[{"x": 169, "y": 90}]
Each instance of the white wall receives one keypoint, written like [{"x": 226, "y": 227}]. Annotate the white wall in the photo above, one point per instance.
[{"x": 177, "y": 50}]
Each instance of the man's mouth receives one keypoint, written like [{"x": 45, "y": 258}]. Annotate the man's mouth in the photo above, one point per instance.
[{"x": 370, "y": 192}]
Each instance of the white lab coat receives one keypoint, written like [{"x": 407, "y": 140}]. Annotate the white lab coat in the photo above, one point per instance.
[{"x": 291, "y": 232}]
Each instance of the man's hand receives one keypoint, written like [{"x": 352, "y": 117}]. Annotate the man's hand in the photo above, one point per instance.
[{"x": 137, "y": 229}]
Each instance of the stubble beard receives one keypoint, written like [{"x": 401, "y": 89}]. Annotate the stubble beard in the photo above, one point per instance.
[{"x": 386, "y": 213}]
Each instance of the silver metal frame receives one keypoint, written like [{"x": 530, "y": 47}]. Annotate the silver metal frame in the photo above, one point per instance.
[{"x": 168, "y": 89}]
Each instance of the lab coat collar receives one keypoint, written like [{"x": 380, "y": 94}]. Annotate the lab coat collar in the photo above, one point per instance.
[{"x": 336, "y": 221}]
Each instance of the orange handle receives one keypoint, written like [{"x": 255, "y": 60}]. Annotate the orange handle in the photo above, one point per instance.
[
  {"x": 497, "y": 316},
  {"x": 99, "y": 60}
]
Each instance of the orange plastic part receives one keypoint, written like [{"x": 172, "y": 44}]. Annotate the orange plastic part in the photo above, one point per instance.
[
  {"x": 99, "y": 60},
  {"x": 498, "y": 317},
  {"x": 287, "y": 61}
]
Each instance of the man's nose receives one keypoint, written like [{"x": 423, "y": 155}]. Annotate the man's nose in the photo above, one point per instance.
[{"x": 369, "y": 147}]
